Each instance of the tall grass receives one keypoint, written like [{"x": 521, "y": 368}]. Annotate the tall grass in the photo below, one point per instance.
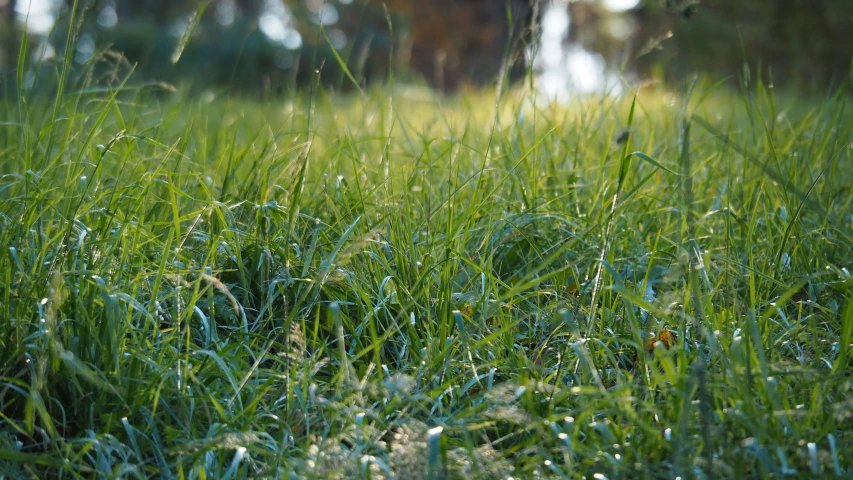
[{"x": 324, "y": 286}]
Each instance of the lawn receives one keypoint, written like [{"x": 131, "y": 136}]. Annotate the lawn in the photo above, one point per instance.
[{"x": 396, "y": 284}]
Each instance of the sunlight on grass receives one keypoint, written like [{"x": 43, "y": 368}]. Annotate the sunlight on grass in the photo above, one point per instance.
[{"x": 329, "y": 287}]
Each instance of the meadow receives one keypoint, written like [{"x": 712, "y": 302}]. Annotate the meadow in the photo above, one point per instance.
[{"x": 395, "y": 284}]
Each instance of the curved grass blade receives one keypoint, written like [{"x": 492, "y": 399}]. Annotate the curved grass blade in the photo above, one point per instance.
[
  {"x": 342, "y": 63},
  {"x": 643, "y": 156},
  {"x": 192, "y": 23}
]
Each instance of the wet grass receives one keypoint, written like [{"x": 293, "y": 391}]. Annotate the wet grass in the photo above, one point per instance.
[{"x": 392, "y": 285}]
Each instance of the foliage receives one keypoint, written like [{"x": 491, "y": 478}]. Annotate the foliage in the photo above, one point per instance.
[
  {"x": 386, "y": 285},
  {"x": 444, "y": 41},
  {"x": 799, "y": 43},
  {"x": 802, "y": 43}
]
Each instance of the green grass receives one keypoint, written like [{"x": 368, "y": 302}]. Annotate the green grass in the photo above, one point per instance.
[{"x": 393, "y": 284}]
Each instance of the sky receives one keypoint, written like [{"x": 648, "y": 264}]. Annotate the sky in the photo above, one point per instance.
[
  {"x": 39, "y": 14},
  {"x": 620, "y": 5},
  {"x": 566, "y": 70}
]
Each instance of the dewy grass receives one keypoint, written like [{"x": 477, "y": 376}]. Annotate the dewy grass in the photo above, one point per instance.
[{"x": 222, "y": 288}]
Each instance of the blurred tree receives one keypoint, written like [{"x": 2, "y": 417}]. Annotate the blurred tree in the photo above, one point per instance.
[
  {"x": 452, "y": 40},
  {"x": 806, "y": 43},
  {"x": 8, "y": 36},
  {"x": 446, "y": 41}
]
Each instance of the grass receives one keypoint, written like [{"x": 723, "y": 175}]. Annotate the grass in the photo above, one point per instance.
[{"x": 393, "y": 285}]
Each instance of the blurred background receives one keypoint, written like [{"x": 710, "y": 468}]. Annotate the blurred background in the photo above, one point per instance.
[{"x": 583, "y": 46}]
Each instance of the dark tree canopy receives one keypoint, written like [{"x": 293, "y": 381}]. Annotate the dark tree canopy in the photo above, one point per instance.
[{"x": 449, "y": 42}]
